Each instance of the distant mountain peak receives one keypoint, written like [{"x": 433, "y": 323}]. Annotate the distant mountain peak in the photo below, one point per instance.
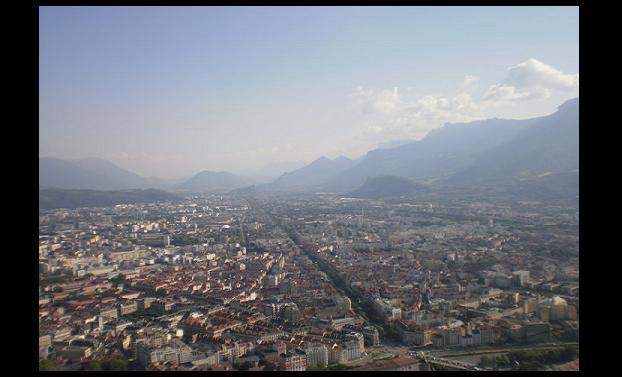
[
  {"x": 207, "y": 180},
  {"x": 90, "y": 173},
  {"x": 314, "y": 174}
]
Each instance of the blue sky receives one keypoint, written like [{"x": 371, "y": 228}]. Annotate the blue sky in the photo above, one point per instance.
[{"x": 170, "y": 91}]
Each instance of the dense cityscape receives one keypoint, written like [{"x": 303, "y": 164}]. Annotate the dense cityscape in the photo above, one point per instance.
[
  {"x": 314, "y": 282},
  {"x": 308, "y": 188}
]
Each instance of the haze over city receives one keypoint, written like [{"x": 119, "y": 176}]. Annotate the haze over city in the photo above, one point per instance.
[
  {"x": 169, "y": 92},
  {"x": 308, "y": 189}
]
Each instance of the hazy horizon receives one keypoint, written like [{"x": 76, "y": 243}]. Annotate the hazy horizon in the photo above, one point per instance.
[
  {"x": 256, "y": 173},
  {"x": 169, "y": 92}
]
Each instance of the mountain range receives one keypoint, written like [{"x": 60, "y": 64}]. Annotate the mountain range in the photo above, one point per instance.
[
  {"x": 100, "y": 174},
  {"x": 314, "y": 176},
  {"x": 270, "y": 172},
  {"x": 537, "y": 156},
  {"x": 387, "y": 186},
  {"x": 209, "y": 181}
]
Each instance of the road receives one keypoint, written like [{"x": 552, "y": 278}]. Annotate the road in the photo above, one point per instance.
[
  {"x": 242, "y": 234},
  {"x": 495, "y": 349},
  {"x": 335, "y": 279}
]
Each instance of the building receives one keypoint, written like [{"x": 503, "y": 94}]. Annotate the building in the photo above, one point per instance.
[
  {"x": 529, "y": 305},
  {"x": 487, "y": 334},
  {"x": 109, "y": 313},
  {"x": 44, "y": 268},
  {"x": 336, "y": 354},
  {"x": 175, "y": 352},
  {"x": 76, "y": 353},
  {"x": 555, "y": 308},
  {"x": 62, "y": 334},
  {"x": 385, "y": 310},
  {"x": 272, "y": 279},
  {"x": 414, "y": 334},
  {"x": 536, "y": 332},
  {"x": 396, "y": 314},
  {"x": 162, "y": 306},
  {"x": 44, "y": 353},
  {"x": 353, "y": 347},
  {"x": 438, "y": 341},
  {"x": 103, "y": 270},
  {"x": 145, "y": 303},
  {"x": 471, "y": 340},
  {"x": 120, "y": 256},
  {"x": 372, "y": 337},
  {"x": 128, "y": 308},
  {"x": 339, "y": 323},
  {"x": 291, "y": 312},
  {"x": 343, "y": 304},
  {"x": 272, "y": 309},
  {"x": 153, "y": 337},
  {"x": 477, "y": 337},
  {"x": 452, "y": 337},
  {"x": 521, "y": 278},
  {"x": 295, "y": 362},
  {"x": 45, "y": 341},
  {"x": 210, "y": 358},
  {"x": 155, "y": 239},
  {"x": 317, "y": 355}
]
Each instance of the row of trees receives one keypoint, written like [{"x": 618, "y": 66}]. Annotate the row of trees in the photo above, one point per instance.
[
  {"x": 116, "y": 363},
  {"x": 532, "y": 359},
  {"x": 184, "y": 240},
  {"x": 48, "y": 365},
  {"x": 330, "y": 367}
]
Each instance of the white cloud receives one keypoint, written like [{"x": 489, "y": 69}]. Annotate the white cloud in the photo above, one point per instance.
[
  {"x": 531, "y": 80},
  {"x": 375, "y": 129},
  {"x": 415, "y": 118},
  {"x": 407, "y": 117},
  {"x": 509, "y": 93},
  {"x": 385, "y": 101},
  {"x": 533, "y": 74},
  {"x": 461, "y": 107},
  {"x": 360, "y": 91},
  {"x": 464, "y": 102}
]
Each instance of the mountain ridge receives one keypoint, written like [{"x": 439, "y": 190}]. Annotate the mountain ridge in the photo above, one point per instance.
[
  {"x": 508, "y": 153},
  {"x": 313, "y": 175},
  {"x": 213, "y": 181}
]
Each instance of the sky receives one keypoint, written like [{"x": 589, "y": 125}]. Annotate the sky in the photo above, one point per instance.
[{"x": 171, "y": 91}]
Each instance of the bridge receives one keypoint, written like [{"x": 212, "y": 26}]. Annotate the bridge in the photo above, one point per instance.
[{"x": 451, "y": 363}]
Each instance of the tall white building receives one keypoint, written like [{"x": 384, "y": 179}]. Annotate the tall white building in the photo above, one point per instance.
[
  {"x": 317, "y": 355},
  {"x": 521, "y": 277}
]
